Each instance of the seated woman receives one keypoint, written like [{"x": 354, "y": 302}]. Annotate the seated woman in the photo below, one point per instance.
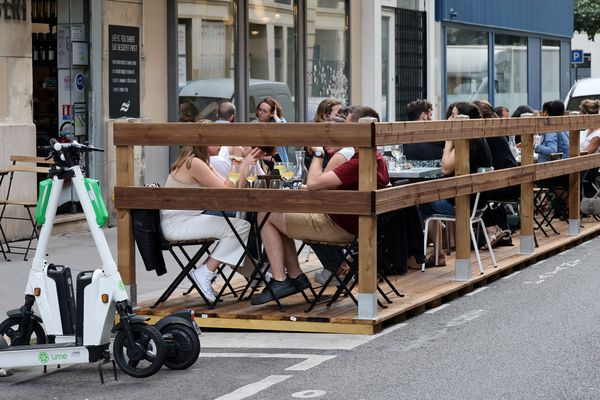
[
  {"x": 269, "y": 110},
  {"x": 192, "y": 170},
  {"x": 552, "y": 142},
  {"x": 590, "y": 138},
  {"x": 479, "y": 156}
]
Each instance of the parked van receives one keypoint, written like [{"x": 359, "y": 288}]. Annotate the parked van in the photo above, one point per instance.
[
  {"x": 588, "y": 88},
  {"x": 206, "y": 95}
]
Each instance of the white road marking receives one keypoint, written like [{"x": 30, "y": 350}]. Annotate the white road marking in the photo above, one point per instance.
[
  {"x": 438, "y": 308},
  {"x": 289, "y": 340},
  {"x": 464, "y": 318},
  {"x": 311, "y": 360},
  {"x": 547, "y": 275},
  {"x": 474, "y": 292},
  {"x": 423, "y": 340},
  {"x": 512, "y": 275},
  {"x": 308, "y": 394},
  {"x": 253, "y": 388}
]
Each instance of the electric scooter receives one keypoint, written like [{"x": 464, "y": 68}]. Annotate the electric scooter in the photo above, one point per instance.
[{"x": 77, "y": 327}]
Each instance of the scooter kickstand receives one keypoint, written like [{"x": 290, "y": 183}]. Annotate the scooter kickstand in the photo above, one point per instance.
[{"x": 105, "y": 360}]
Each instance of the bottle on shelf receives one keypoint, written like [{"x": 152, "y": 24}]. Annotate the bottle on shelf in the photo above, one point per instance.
[
  {"x": 53, "y": 8},
  {"x": 34, "y": 45},
  {"x": 50, "y": 47},
  {"x": 40, "y": 7}
]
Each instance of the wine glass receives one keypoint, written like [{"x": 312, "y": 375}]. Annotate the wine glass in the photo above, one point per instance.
[
  {"x": 288, "y": 173},
  {"x": 234, "y": 174},
  {"x": 252, "y": 173},
  {"x": 397, "y": 152},
  {"x": 280, "y": 167}
]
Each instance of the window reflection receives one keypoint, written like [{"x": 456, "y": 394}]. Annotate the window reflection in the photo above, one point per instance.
[
  {"x": 550, "y": 70},
  {"x": 205, "y": 56},
  {"x": 327, "y": 56},
  {"x": 271, "y": 52},
  {"x": 466, "y": 65},
  {"x": 510, "y": 62}
]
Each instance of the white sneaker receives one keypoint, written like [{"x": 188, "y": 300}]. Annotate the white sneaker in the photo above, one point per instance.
[
  {"x": 324, "y": 274},
  {"x": 203, "y": 278}
]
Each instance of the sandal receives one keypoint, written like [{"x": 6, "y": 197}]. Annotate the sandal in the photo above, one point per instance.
[{"x": 430, "y": 262}]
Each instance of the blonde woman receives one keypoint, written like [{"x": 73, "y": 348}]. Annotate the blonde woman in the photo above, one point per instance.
[
  {"x": 590, "y": 138},
  {"x": 192, "y": 170}
]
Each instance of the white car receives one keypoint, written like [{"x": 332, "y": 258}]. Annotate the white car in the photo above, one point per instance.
[{"x": 588, "y": 88}]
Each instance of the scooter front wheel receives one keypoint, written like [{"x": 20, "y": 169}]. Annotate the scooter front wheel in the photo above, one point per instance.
[
  {"x": 145, "y": 356},
  {"x": 9, "y": 329}
]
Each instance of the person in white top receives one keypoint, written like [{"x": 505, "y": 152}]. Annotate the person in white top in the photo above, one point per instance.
[
  {"x": 590, "y": 138},
  {"x": 191, "y": 169}
]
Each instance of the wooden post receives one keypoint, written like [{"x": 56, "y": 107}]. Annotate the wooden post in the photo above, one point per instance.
[
  {"x": 527, "y": 239},
  {"x": 574, "y": 188},
  {"x": 125, "y": 243},
  {"x": 367, "y": 234},
  {"x": 463, "y": 213}
]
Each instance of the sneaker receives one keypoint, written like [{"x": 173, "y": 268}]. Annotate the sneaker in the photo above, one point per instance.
[
  {"x": 300, "y": 282},
  {"x": 281, "y": 289},
  {"x": 203, "y": 278},
  {"x": 322, "y": 276}
]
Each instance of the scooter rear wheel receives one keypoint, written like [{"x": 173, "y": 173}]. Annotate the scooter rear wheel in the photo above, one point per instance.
[
  {"x": 183, "y": 346},
  {"x": 145, "y": 356},
  {"x": 9, "y": 329}
]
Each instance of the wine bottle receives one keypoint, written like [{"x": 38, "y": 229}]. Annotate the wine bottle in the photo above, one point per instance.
[
  {"x": 34, "y": 47},
  {"x": 50, "y": 46}
]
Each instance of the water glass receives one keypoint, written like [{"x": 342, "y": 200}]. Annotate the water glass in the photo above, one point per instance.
[
  {"x": 275, "y": 183},
  {"x": 261, "y": 183}
]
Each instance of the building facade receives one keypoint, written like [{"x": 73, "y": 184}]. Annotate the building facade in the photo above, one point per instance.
[{"x": 74, "y": 68}]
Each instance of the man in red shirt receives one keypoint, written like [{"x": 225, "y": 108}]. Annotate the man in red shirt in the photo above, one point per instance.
[{"x": 281, "y": 229}]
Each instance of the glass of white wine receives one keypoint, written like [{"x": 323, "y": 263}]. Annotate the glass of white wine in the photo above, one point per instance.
[
  {"x": 234, "y": 174},
  {"x": 288, "y": 173},
  {"x": 280, "y": 166},
  {"x": 251, "y": 176},
  {"x": 398, "y": 152}
]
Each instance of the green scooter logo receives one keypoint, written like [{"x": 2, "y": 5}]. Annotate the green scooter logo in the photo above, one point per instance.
[{"x": 43, "y": 357}]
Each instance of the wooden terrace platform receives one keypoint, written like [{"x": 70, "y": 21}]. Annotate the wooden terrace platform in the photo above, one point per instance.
[{"x": 423, "y": 291}]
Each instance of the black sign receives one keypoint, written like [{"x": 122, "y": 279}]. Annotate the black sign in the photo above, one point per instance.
[{"x": 124, "y": 71}]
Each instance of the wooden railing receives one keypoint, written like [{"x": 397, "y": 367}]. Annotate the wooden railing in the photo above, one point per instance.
[{"x": 367, "y": 202}]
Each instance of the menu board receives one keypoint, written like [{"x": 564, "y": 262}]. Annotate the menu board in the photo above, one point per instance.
[{"x": 124, "y": 71}]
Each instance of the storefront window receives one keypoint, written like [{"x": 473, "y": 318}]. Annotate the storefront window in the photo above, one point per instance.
[
  {"x": 271, "y": 52},
  {"x": 327, "y": 72},
  {"x": 550, "y": 70},
  {"x": 510, "y": 64},
  {"x": 205, "y": 57},
  {"x": 466, "y": 65}
]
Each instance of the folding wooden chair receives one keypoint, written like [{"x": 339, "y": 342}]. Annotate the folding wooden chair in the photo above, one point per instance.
[{"x": 20, "y": 164}]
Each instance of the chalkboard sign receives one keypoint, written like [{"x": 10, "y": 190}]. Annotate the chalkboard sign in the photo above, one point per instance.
[{"x": 124, "y": 71}]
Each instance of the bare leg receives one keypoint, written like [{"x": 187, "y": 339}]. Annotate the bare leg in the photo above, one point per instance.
[{"x": 273, "y": 240}]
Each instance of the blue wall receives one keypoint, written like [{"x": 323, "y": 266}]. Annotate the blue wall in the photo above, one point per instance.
[{"x": 548, "y": 17}]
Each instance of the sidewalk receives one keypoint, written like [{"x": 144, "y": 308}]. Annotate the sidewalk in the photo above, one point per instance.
[{"x": 77, "y": 251}]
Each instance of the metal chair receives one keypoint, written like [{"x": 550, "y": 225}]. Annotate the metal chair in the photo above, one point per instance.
[{"x": 475, "y": 218}]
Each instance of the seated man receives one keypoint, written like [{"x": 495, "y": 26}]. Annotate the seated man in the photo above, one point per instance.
[{"x": 281, "y": 229}]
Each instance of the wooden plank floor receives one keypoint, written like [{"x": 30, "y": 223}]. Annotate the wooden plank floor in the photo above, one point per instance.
[{"x": 422, "y": 290}]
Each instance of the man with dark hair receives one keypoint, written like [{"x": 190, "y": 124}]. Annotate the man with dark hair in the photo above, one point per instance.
[
  {"x": 419, "y": 110},
  {"x": 502, "y": 112},
  {"x": 226, "y": 112},
  {"x": 357, "y": 112},
  {"x": 280, "y": 229}
]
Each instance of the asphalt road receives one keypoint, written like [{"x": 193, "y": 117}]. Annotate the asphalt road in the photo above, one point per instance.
[{"x": 531, "y": 335}]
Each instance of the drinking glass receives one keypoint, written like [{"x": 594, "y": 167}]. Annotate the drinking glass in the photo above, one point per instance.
[
  {"x": 251, "y": 176},
  {"x": 275, "y": 184},
  {"x": 234, "y": 174},
  {"x": 398, "y": 152},
  {"x": 280, "y": 167},
  {"x": 288, "y": 173},
  {"x": 261, "y": 184}
]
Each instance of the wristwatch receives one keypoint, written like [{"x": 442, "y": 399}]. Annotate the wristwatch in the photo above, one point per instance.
[{"x": 318, "y": 153}]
